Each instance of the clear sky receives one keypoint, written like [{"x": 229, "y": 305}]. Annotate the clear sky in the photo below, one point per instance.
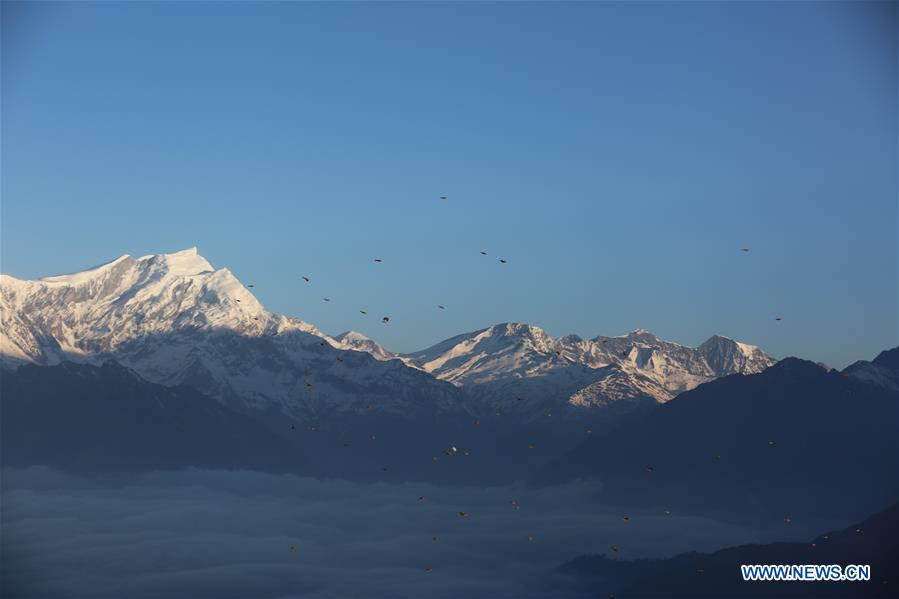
[{"x": 618, "y": 155}]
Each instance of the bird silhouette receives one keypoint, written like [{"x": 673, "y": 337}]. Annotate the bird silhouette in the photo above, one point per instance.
[
  {"x": 305, "y": 278},
  {"x": 385, "y": 319},
  {"x": 503, "y": 261},
  {"x": 362, "y": 312},
  {"x": 378, "y": 260}
]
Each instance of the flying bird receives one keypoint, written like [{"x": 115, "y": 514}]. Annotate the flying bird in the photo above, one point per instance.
[
  {"x": 530, "y": 537},
  {"x": 787, "y": 519},
  {"x": 442, "y": 307},
  {"x": 463, "y": 514},
  {"x": 385, "y": 320},
  {"x": 779, "y": 318},
  {"x": 451, "y": 451},
  {"x": 589, "y": 431},
  {"x": 744, "y": 249},
  {"x": 362, "y": 312},
  {"x": 327, "y": 299},
  {"x": 519, "y": 398},
  {"x": 626, "y": 518},
  {"x": 648, "y": 467},
  {"x": 293, "y": 548},
  {"x": 378, "y": 260},
  {"x": 503, "y": 261},
  {"x": 444, "y": 198},
  {"x": 483, "y": 253},
  {"x": 305, "y": 278},
  {"x": 250, "y": 285},
  {"x": 515, "y": 504},
  {"x": 428, "y": 568}
]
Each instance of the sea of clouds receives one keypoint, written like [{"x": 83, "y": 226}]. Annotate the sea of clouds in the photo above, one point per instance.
[{"x": 199, "y": 533}]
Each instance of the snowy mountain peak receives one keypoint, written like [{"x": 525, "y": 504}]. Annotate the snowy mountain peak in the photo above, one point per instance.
[
  {"x": 359, "y": 342},
  {"x": 633, "y": 365},
  {"x": 175, "y": 319},
  {"x": 63, "y": 317}
]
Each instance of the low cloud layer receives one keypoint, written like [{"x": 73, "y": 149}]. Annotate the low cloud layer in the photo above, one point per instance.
[{"x": 228, "y": 534}]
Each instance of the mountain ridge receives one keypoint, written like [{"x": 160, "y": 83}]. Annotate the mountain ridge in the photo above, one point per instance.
[{"x": 175, "y": 318}]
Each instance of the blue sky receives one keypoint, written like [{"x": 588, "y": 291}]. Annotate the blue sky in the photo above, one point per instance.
[{"x": 618, "y": 155}]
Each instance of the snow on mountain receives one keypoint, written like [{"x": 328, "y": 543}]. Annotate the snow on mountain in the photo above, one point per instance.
[
  {"x": 359, "y": 342},
  {"x": 509, "y": 357},
  {"x": 173, "y": 318}
]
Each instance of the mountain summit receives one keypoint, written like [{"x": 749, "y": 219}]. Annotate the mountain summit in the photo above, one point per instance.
[
  {"x": 511, "y": 360},
  {"x": 174, "y": 319}
]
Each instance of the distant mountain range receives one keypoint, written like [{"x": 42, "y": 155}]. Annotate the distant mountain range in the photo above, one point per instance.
[
  {"x": 874, "y": 542},
  {"x": 791, "y": 441},
  {"x": 175, "y": 319}
]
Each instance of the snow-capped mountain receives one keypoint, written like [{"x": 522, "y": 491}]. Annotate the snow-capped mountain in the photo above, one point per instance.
[
  {"x": 173, "y": 318},
  {"x": 359, "y": 342},
  {"x": 511, "y": 358}
]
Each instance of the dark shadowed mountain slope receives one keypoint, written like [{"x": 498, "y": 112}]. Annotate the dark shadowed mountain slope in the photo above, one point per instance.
[
  {"x": 106, "y": 418},
  {"x": 872, "y": 542},
  {"x": 792, "y": 440},
  {"x": 101, "y": 419},
  {"x": 882, "y": 371}
]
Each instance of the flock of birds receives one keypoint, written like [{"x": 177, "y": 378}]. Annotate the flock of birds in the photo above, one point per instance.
[
  {"x": 453, "y": 451},
  {"x": 386, "y": 319}
]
